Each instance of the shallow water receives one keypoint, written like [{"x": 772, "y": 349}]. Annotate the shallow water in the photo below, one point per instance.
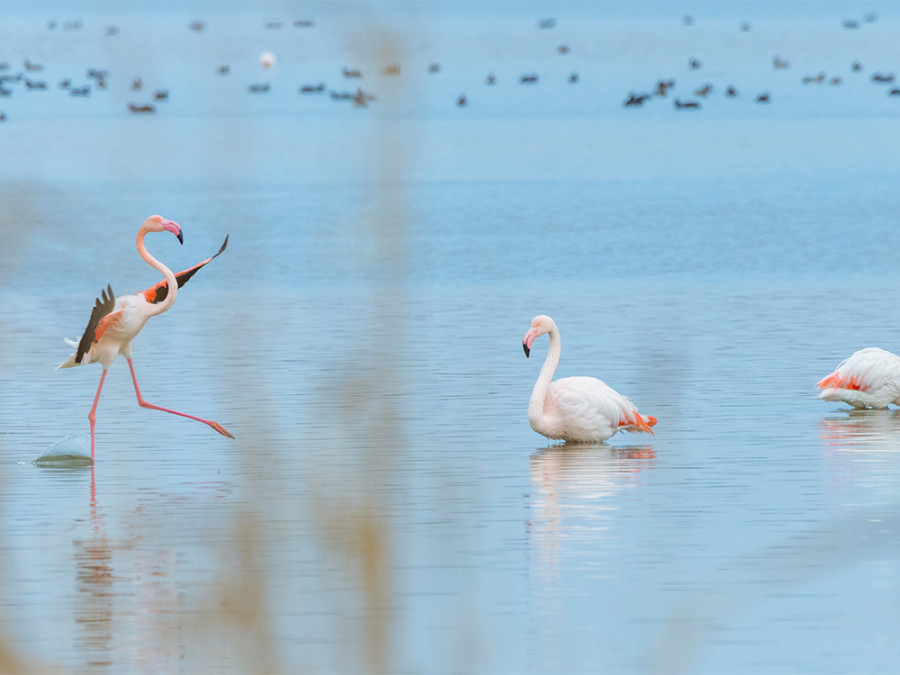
[{"x": 385, "y": 505}]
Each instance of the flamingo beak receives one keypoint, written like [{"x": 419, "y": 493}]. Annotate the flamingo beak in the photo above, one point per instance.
[
  {"x": 174, "y": 228},
  {"x": 528, "y": 340}
]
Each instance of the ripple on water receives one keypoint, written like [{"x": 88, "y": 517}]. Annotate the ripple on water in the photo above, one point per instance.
[{"x": 73, "y": 451}]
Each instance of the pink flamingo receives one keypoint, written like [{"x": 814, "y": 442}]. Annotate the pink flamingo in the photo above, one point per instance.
[
  {"x": 115, "y": 321},
  {"x": 576, "y": 409},
  {"x": 870, "y": 378}
]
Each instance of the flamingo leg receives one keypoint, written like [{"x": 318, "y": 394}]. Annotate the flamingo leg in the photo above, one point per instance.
[
  {"x": 92, "y": 416},
  {"x": 144, "y": 404}
]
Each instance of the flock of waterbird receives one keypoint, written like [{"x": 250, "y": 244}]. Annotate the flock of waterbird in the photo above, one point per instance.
[
  {"x": 28, "y": 78},
  {"x": 571, "y": 409},
  {"x": 702, "y": 92}
]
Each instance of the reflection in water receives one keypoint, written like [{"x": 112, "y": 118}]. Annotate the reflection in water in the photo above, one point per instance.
[
  {"x": 815, "y": 564},
  {"x": 863, "y": 430},
  {"x": 574, "y": 503},
  {"x": 572, "y": 485},
  {"x": 128, "y": 610},
  {"x": 862, "y": 456},
  {"x": 96, "y": 595}
]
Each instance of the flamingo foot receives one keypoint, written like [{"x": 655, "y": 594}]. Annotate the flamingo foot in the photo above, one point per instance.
[{"x": 222, "y": 430}]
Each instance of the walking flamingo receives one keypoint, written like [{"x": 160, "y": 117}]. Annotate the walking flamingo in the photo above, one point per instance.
[
  {"x": 870, "y": 378},
  {"x": 576, "y": 409},
  {"x": 115, "y": 321}
]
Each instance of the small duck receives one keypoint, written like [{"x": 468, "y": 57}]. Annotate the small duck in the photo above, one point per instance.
[
  {"x": 663, "y": 86},
  {"x": 635, "y": 100}
]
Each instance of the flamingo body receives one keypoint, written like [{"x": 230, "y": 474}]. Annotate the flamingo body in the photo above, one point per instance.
[
  {"x": 114, "y": 332},
  {"x": 869, "y": 378},
  {"x": 585, "y": 409},
  {"x": 576, "y": 409},
  {"x": 114, "y": 322}
]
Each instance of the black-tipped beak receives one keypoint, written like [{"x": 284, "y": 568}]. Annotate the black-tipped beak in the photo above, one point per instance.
[
  {"x": 180, "y": 238},
  {"x": 527, "y": 350}
]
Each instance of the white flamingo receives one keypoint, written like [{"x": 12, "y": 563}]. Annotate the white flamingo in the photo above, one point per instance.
[
  {"x": 267, "y": 60},
  {"x": 870, "y": 378},
  {"x": 576, "y": 409},
  {"x": 116, "y": 321}
]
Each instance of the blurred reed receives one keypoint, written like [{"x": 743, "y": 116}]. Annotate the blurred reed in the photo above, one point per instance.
[
  {"x": 19, "y": 220},
  {"x": 351, "y": 512}
]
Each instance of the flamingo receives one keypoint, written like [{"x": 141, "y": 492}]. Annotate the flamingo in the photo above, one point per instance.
[
  {"x": 870, "y": 378},
  {"x": 116, "y": 321},
  {"x": 576, "y": 409},
  {"x": 267, "y": 60}
]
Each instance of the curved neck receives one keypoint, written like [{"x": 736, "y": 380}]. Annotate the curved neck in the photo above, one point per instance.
[
  {"x": 166, "y": 272},
  {"x": 539, "y": 394}
]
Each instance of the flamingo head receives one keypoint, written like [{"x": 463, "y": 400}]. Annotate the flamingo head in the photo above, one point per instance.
[
  {"x": 540, "y": 325},
  {"x": 160, "y": 224}
]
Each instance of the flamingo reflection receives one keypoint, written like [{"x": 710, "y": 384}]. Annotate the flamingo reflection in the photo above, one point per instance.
[
  {"x": 863, "y": 430},
  {"x": 574, "y": 488},
  {"x": 576, "y": 494},
  {"x": 862, "y": 456},
  {"x": 119, "y": 579}
]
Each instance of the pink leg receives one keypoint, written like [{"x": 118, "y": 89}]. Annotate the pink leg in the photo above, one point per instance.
[
  {"x": 92, "y": 416},
  {"x": 141, "y": 402}
]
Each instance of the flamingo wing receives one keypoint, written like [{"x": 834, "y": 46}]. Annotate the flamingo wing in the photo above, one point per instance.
[
  {"x": 589, "y": 403},
  {"x": 158, "y": 293},
  {"x": 100, "y": 320}
]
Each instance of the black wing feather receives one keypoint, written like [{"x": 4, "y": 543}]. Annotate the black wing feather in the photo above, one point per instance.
[
  {"x": 103, "y": 306},
  {"x": 161, "y": 290}
]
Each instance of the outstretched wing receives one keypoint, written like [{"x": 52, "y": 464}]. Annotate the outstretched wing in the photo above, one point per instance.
[
  {"x": 159, "y": 292},
  {"x": 103, "y": 306}
]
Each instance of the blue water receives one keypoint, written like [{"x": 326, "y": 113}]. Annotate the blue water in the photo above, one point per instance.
[{"x": 385, "y": 505}]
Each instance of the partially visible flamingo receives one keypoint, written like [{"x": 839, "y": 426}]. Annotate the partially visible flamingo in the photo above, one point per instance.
[
  {"x": 870, "y": 378},
  {"x": 267, "y": 60},
  {"x": 576, "y": 409},
  {"x": 115, "y": 321}
]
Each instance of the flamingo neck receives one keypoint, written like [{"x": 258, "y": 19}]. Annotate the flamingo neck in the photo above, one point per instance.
[
  {"x": 166, "y": 272},
  {"x": 539, "y": 394}
]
